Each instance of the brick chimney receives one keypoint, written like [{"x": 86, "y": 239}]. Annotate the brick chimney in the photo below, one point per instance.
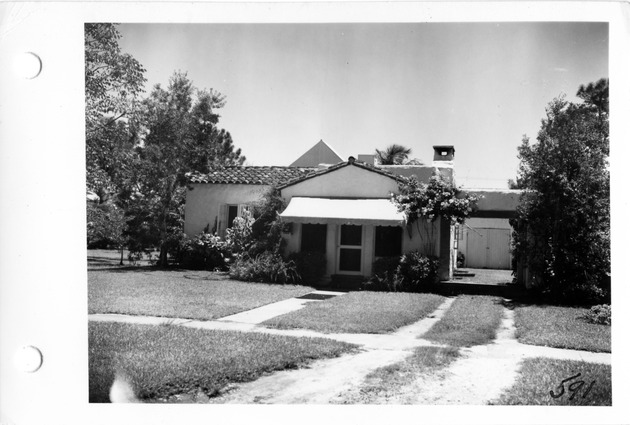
[{"x": 443, "y": 153}]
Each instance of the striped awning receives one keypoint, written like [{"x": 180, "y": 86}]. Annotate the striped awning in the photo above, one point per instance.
[{"x": 379, "y": 212}]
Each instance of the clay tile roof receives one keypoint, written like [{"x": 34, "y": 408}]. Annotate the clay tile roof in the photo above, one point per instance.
[{"x": 251, "y": 175}]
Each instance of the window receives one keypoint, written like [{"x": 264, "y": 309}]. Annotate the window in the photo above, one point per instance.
[
  {"x": 313, "y": 238},
  {"x": 388, "y": 241},
  {"x": 350, "y": 235}
]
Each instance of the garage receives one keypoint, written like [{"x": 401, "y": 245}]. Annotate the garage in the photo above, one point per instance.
[{"x": 485, "y": 243}]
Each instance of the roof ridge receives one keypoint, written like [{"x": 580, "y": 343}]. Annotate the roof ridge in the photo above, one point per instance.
[{"x": 339, "y": 165}]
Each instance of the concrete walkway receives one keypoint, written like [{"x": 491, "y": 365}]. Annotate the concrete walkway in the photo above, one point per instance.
[
  {"x": 324, "y": 379},
  {"x": 479, "y": 376},
  {"x": 264, "y": 313}
]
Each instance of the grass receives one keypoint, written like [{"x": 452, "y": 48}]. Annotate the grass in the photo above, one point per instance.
[
  {"x": 387, "y": 382},
  {"x": 471, "y": 320},
  {"x": 560, "y": 327},
  {"x": 161, "y": 361},
  {"x": 360, "y": 312},
  {"x": 178, "y": 293},
  {"x": 539, "y": 376}
]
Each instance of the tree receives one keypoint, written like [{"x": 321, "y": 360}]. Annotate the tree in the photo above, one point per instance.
[
  {"x": 393, "y": 155},
  {"x": 179, "y": 135},
  {"x": 105, "y": 226},
  {"x": 113, "y": 82},
  {"x": 563, "y": 225}
]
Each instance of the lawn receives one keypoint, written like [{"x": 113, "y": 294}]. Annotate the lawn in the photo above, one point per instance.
[
  {"x": 360, "y": 312},
  {"x": 176, "y": 293},
  {"x": 539, "y": 377},
  {"x": 560, "y": 327},
  {"x": 161, "y": 361},
  {"x": 388, "y": 382},
  {"x": 471, "y": 320}
]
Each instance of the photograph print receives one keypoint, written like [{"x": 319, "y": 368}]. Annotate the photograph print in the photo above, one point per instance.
[{"x": 348, "y": 213}]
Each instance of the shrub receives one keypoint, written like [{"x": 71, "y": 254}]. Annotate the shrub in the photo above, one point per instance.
[
  {"x": 461, "y": 259},
  {"x": 238, "y": 238},
  {"x": 385, "y": 265},
  {"x": 599, "y": 314},
  {"x": 267, "y": 227},
  {"x": 409, "y": 273},
  {"x": 311, "y": 266},
  {"x": 205, "y": 251},
  {"x": 416, "y": 270},
  {"x": 384, "y": 277},
  {"x": 266, "y": 267}
]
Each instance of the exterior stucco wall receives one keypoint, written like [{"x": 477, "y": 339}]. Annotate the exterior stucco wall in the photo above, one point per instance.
[
  {"x": 346, "y": 182},
  {"x": 203, "y": 203},
  {"x": 488, "y": 223},
  {"x": 424, "y": 238}
]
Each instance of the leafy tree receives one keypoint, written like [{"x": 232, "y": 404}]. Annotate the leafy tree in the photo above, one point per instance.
[
  {"x": 393, "y": 155},
  {"x": 105, "y": 226},
  {"x": 113, "y": 79},
  {"x": 113, "y": 82},
  {"x": 179, "y": 135},
  {"x": 563, "y": 225}
]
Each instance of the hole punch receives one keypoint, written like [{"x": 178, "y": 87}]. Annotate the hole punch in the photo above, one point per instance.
[
  {"x": 28, "y": 65},
  {"x": 28, "y": 359}
]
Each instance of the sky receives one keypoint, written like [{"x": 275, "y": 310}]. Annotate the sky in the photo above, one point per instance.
[{"x": 361, "y": 86}]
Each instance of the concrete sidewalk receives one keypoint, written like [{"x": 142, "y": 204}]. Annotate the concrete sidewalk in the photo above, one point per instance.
[{"x": 269, "y": 311}]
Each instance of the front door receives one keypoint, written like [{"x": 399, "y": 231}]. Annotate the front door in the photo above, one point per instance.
[{"x": 350, "y": 252}]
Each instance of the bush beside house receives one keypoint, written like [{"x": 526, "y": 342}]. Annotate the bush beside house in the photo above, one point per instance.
[{"x": 411, "y": 272}]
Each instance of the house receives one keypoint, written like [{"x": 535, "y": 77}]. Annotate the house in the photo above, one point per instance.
[
  {"x": 345, "y": 212},
  {"x": 342, "y": 210},
  {"x": 321, "y": 153}
]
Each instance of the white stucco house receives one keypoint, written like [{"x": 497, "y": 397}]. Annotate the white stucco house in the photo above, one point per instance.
[{"x": 342, "y": 210}]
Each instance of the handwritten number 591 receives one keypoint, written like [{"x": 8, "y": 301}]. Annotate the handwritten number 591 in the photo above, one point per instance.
[{"x": 574, "y": 387}]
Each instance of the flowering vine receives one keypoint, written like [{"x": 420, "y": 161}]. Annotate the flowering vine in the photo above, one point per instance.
[{"x": 438, "y": 198}]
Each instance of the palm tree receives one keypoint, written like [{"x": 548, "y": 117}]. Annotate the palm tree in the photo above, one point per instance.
[{"x": 393, "y": 155}]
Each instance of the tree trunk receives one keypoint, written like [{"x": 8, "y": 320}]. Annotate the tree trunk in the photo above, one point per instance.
[
  {"x": 122, "y": 250},
  {"x": 163, "y": 260}
]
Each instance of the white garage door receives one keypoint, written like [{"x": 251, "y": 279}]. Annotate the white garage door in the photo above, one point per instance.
[{"x": 488, "y": 248}]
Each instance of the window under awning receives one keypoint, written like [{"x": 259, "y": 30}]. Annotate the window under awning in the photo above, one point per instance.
[{"x": 379, "y": 212}]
